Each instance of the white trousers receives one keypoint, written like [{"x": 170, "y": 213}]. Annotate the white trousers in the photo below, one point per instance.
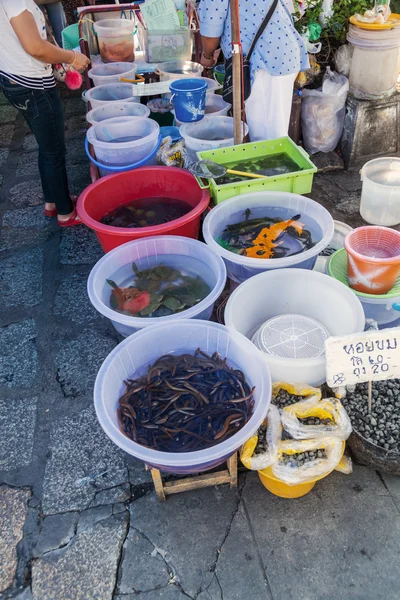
[{"x": 269, "y": 106}]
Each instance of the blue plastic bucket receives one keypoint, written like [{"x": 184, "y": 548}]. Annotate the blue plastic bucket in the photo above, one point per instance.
[
  {"x": 189, "y": 99},
  {"x": 169, "y": 130},
  {"x": 110, "y": 170}
]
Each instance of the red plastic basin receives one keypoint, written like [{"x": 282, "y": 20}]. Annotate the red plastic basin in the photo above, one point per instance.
[{"x": 114, "y": 190}]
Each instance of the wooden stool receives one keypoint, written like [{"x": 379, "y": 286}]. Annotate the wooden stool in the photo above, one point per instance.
[{"x": 164, "y": 489}]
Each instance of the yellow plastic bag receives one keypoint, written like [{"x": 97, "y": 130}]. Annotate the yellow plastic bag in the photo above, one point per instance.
[
  {"x": 299, "y": 389},
  {"x": 256, "y": 462},
  {"x": 329, "y": 409},
  {"x": 293, "y": 472}
]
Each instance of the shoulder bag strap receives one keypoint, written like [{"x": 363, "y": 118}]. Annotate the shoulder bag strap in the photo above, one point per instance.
[{"x": 262, "y": 27}]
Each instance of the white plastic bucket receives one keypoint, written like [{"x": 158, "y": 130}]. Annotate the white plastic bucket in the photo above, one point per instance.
[
  {"x": 209, "y": 134},
  {"x": 116, "y": 109},
  {"x": 380, "y": 197},
  {"x": 179, "y": 69},
  {"x": 293, "y": 291},
  {"x": 117, "y": 153},
  {"x": 214, "y": 102},
  {"x": 130, "y": 359},
  {"x": 112, "y": 72},
  {"x": 374, "y": 64},
  {"x": 109, "y": 93},
  {"x": 115, "y": 38},
  {"x": 189, "y": 256},
  {"x": 275, "y": 204}
]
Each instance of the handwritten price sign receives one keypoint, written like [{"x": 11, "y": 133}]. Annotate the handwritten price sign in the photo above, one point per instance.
[{"x": 371, "y": 356}]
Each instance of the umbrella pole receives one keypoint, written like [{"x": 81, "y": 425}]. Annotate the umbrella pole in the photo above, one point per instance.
[{"x": 236, "y": 72}]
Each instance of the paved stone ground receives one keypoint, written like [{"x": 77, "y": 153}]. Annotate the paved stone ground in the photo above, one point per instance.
[{"x": 78, "y": 518}]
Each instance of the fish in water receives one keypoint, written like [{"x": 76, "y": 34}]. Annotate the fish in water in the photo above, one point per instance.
[{"x": 268, "y": 239}]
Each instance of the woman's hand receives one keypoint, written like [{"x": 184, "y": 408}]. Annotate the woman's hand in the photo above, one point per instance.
[
  {"x": 208, "y": 62},
  {"x": 79, "y": 61}
]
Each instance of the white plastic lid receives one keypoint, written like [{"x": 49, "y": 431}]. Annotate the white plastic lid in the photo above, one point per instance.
[{"x": 291, "y": 336}]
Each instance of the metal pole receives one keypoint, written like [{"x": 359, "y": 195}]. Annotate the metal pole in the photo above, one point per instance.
[{"x": 236, "y": 72}]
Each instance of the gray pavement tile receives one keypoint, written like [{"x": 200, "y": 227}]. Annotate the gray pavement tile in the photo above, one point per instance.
[
  {"x": 13, "y": 511},
  {"x": 19, "y": 361},
  {"x": 56, "y": 531},
  {"x": 1, "y": 181},
  {"x": 78, "y": 173},
  {"x": 349, "y": 181},
  {"x": 78, "y": 450},
  {"x": 17, "y": 428},
  {"x": 11, "y": 238},
  {"x": 170, "y": 592},
  {"x": 79, "y": 246},
  {"x": 21, "y": 279},
  {"x": 86, "y": 569},
  {"x": 341, "y": 543},
  {"x": 122, "y": 493},
  {"x": 72, "y": 301},
  {"x": 27, "y": 164},
  {"x": 393, "y": 484},
  {"x": 76, "y": 150},
  {"x": 78, "y": 361},
  {"x": 7, "y": 113},
  {"x": 238, "y": 555},
  {"x": 6, "y": 134},
  {"x": 137, "y": 472},
  {"x": 3, "y": 156},
  {"x": 186, "y": 532},
  {"x": 73, "y": 107},
  {"x": 30, "y": 142},
  {"x": 349, "y": 205},
  {"x": 26, "y": 594},
  {"x": 27, "y": 193},
  {"x": 91, "y": 516},
  {"x": 76, "y": 124},
  {"x": 26, "y": 218}
]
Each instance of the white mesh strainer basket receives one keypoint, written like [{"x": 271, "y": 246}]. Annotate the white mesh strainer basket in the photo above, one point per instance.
[{"x": 292, "y": 336}]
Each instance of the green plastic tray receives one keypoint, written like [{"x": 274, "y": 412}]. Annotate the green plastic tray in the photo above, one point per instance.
[
  {"x": 337, "y": 268},
  {"x": 299, "y": 182}
]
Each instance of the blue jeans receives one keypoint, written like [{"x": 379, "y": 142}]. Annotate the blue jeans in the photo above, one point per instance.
[
  {"x": 42, "y": 110},
  {"x": 57, "y": 18}
]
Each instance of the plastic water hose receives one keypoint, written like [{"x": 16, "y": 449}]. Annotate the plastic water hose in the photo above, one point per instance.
[
  {"x": 396, "y": 305},
  {"x": 112, "y": 169}
]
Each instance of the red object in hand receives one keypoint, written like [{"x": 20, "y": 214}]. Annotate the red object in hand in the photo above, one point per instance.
[
  {"x": 73, "y": 79},
  {"x": 131, "y": 299}
]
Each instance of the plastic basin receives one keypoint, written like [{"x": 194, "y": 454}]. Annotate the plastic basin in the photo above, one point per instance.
[
  {"x": 112, "y": 72},
  {"x": 110, "y": 192},
  {"x": 115, "y": 37},
  {"x": 110, "y": 92},
  {"x": 141, "y": 349},
  {"x": 373, "y": 259},
  {"x": 384, "y": 309},
  {"x": 116, "y": 109},
  {"x": 179, "y": 69},
  {"x": 380, "y": 196},
  {"x": 121, "y": 153},
  {"x": 295, "y": 291},
  {"x": 209, "y": 134},
  {"x": 280, "y": 204},
  {"x": 191, "y": 256}
]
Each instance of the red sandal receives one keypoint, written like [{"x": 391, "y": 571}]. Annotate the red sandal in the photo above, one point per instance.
[
  {"x": 72, "y": 221},
  {"x": 53, "y": 212}
]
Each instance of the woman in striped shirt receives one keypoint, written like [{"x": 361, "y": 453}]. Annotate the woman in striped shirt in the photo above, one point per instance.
[{"x": 26, "y": 78}]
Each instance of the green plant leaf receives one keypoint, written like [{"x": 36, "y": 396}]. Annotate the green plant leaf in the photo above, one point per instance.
[
  {"x": 111, "y": 283},
  {"x": 135, "y": 269},
  {"x": 173, "y": 303}
]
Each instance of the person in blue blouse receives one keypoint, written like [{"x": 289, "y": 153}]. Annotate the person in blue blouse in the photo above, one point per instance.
[{"x": 280, "y": 54}]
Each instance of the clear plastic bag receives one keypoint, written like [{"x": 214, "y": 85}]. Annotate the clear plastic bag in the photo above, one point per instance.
[
  {"x": 337, "y": 423},
  {"x": 343, "y": 57},
  {"x": 172, "y": 154},
  {"x": 329, "y": 451},
  {"x": 256, "y": 462},
  {"x": 297, "y": 389},
  {"x": 323, "y": 112}
]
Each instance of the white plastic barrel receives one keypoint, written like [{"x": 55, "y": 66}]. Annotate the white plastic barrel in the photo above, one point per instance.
[
  {"x": 380, "y": 197},
  {"x": 132, "y": 357},
  {"x": 121, "y": 153},
  {"x": 116, "y": 109},
  {"x": 295, "y": 292},
  {"x": 189, "y": 256},
  {"x": 110, "y": 92},
  {"x": 374, "y": 64},
  {"x": 112, "y": 72},
  {"x": 208, "y": 134}
]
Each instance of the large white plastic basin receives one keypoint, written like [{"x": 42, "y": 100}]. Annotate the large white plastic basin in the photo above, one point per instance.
[
  {"x": 200, "y": 136},
  {"x": 179, "y": 69},
  {"x": 191, "y": 256},
  {"x": 116, "y": 109},
  {"x": 279, "y": 204},
  {"x": 131, "y": 358},
  {"x": 123, "y": 153},
  {"x": 110, "y": 92},
  {"x": 112, "y": 72},
  {"x": 380, "y": 197},
  {"x": 294, "y": 291}
]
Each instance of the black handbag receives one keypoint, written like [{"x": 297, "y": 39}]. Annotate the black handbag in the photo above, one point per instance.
[{"x": 227, "y": 90}]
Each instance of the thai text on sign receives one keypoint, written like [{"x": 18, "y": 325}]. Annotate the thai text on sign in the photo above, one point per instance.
[{"x": 370, "y": 356}]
